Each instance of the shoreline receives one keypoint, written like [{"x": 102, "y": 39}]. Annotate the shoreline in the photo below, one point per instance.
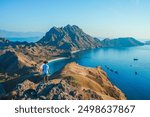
[
  {"x": 63, "y": 58},
  {"x": 72, "y": 52},
  {"x": 56, "y": 59}
]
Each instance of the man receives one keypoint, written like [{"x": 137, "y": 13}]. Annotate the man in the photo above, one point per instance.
[{"x": 45, "y": 69}]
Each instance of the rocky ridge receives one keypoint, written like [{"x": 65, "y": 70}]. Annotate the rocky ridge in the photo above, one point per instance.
[{"x": 73, "y": 82}]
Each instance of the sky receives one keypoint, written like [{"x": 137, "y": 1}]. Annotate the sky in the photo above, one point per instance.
[{"x": 99, "y": 18}]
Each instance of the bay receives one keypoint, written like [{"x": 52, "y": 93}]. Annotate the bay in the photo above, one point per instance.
[{"x": 132, "y": 77}]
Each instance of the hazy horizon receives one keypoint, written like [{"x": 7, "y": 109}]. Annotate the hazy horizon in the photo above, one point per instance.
[{"x": 99, "y": 18}]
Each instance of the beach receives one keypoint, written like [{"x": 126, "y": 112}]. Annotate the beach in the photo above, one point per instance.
[
  {"x": 72, "y": 52},
  {"x": 61, "y": 58}
]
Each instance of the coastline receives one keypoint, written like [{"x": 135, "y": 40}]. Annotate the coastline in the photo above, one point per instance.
[
  {"x": 63, "y": 58},
  {"x": 72, "y": 52},
  {"x": 56, "y": 59}
]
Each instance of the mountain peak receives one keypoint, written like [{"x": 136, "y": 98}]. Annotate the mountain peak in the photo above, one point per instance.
[
  {"x": 72, "y": 28},
  {"x": 54, "y": 28},
  {"x": 68, "y": 25},
  {"x": 69, "y": 38}
]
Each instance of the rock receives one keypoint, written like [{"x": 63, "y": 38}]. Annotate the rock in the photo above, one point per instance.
[
  {"x": 25, "y": 90},
  {"x": 30, "y": 93}
]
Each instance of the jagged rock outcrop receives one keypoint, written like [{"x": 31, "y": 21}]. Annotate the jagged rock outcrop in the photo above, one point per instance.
[
  {"x": 69, "y": 38},
  {"x": 121, "y": 42},
  {"x": 73, "y": 82}
]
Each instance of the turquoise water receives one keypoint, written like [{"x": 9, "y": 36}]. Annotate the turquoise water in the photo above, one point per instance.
[
  {"x": 135, "y": 86},
  {"x": 27, "y": 39}
]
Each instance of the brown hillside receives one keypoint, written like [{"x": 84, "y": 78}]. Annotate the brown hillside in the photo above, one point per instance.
[
  {"x": 16, "y": 63},
  {"x": 94, "y": 79},
  {"x": 73, "y": 82}
]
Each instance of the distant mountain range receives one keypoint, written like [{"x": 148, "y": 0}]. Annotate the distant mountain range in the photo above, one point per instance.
[
  {"x": 12, "y": 34},
  {"x": 5, "y": 42},
  {"x": 67, "y": 38}
]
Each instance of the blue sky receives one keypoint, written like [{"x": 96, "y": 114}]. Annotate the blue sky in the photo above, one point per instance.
[{"x": 103, "y": 18}]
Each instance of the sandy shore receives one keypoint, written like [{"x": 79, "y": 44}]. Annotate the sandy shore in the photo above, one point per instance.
[
  {"x": 75, "y": 51},
  {"x": 61, "y": 58}
]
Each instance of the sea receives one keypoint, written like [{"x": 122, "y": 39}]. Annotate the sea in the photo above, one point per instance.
[
  {"x": 127, "y": 67},
  {"x": 23, "y": 39}
]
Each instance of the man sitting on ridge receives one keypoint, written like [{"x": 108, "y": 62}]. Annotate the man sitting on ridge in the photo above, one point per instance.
[{"x": 46, "y": 71}]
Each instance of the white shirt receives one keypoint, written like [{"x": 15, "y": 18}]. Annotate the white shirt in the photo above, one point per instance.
[{"x": 45, "y": 68}]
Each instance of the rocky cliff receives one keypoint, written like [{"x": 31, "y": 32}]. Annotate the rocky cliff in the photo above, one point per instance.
[
  {"x": 69, "y": 38},
  {"x": 73, "y": 82}
]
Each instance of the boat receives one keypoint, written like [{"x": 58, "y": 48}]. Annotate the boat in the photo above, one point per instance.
[
  {"x": 107, "y": 67},
  {"x": 111, "y": 70},
  {"x": 135, "y": 59}
]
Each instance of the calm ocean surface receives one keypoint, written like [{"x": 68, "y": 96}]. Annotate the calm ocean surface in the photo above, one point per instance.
[
  {"x": 135, "y": 86},
  {"x": 27, "y": 39}
]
